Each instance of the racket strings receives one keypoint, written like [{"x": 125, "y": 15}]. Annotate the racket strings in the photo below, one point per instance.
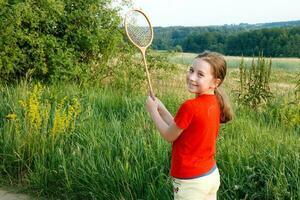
[{"x": 139, "y": 30}]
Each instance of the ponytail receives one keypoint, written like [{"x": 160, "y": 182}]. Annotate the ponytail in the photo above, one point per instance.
[
  {"x": 225, "y": 108},
  {"x": 219, "y": 68}
]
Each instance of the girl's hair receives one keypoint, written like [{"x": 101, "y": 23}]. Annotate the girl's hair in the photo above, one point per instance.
[{"x": 219, "y": 68}]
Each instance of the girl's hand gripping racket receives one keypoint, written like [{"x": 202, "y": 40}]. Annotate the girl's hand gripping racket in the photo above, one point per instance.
[{"x": 140, "y": 32}]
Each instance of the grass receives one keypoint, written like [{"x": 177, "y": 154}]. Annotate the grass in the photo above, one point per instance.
[{"x": 115, "y": 152}]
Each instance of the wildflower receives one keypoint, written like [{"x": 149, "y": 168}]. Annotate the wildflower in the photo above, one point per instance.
[{"x": 11, "y": 116}]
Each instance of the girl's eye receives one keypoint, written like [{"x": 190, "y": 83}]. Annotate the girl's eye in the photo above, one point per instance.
[
  {"x": 200, "y": 75},
  {"x": 191, "y": 70}
]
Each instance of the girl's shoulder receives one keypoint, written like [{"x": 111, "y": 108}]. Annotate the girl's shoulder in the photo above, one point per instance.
[
  {"x": 200, "y": 100},
  {"x": 188, "y": 102},
  {"x": 205, "y": 100},
  {"x": 188, "y": 105}
]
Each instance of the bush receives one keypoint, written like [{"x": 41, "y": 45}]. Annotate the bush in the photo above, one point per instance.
[
  {"x": 254, "y": 88},
  {"x": 59, "y": 39},
  {"x": 178, "y": 48},
  {"x": 127, "y": 70}
]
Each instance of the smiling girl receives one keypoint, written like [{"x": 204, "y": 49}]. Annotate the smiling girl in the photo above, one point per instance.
[{"x": 194, "y": 130}]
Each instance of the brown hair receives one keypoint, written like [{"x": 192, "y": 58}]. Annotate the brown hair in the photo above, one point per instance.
[{"x": 219, "y": 68}]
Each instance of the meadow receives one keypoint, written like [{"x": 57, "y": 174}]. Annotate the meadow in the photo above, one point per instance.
[
  {"x": 65, "y": 141},
  {"x": 287, "y": 64}
]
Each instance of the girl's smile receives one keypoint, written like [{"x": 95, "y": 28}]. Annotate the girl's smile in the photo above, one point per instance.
[{"x": 200, "y": 79}]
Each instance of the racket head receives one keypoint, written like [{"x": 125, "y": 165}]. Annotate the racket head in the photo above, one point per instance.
[{"x": 138, "y": 28}]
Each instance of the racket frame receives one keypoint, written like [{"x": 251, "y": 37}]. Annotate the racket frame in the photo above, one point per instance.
[{"x": 142, "y": 49}]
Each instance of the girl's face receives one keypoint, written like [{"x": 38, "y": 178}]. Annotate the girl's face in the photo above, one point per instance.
[{"x": 200, "y": 79}]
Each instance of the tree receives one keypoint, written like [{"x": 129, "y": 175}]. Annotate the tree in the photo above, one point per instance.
[
  {"x": 60, "y": 39},
  {"x": 178, "y": 48}
]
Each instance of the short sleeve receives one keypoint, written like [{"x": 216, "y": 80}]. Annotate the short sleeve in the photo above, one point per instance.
[{"x": 184, "y": 115}]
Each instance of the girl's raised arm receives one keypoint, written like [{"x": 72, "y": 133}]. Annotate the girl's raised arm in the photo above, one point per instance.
[
  {"x": 168, "y": 132},
  {"x": 164, "y": 113}
]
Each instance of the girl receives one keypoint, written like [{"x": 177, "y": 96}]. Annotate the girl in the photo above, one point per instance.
[{"x": 194, "y": 129}]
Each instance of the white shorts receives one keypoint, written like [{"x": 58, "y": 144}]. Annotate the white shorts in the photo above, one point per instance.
[{"x": 196, "y": 188}]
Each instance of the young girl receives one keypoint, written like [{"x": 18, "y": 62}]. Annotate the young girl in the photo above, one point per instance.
[{"x": 194, "y": 129}]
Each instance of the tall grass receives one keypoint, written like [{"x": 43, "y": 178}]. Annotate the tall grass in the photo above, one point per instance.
[{"x": 115, "y": 152}]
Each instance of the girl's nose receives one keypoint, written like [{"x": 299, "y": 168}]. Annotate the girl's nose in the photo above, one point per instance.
[{"x": 192, "y": 77}]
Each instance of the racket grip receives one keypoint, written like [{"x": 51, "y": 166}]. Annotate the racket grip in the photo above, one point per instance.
[{"x": 151, "y": 94}]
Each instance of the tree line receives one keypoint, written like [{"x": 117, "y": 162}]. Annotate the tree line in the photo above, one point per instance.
[{"x": 241, "y": 39}]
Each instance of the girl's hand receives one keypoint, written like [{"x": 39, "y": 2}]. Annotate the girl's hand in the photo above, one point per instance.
[
  {"x": 161, "y": 106},
  {"x": 151, "y": 104}
]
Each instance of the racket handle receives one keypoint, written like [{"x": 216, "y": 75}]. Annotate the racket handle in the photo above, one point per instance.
[{"x": 148, "y": 77}]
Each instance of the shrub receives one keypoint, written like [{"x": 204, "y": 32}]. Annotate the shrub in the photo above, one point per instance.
[
  {"x": 59, "y": 39},
  {"x": 254, "y": 88},
  {"x": 127, "y": 70}
]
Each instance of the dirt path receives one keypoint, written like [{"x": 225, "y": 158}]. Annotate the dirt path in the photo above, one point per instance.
[{"x": 7, "y": 195}]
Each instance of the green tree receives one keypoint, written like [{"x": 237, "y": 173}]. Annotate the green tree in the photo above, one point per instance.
[
  {"x": 178, "y": 48},
  {"x": 56, "y": 39}
]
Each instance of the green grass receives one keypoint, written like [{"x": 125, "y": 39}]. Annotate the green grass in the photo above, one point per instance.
[{"x": 115, "y": 151}]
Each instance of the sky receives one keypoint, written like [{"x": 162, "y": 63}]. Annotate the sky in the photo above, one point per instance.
[{"x": 218, "y": 12}]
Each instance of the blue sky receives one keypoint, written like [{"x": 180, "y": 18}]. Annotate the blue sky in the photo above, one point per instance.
[{"x": 218, "y": 12}]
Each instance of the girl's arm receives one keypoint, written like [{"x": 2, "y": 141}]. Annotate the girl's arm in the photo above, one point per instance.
[
  {"x": 164, "y": 113},
  {"x": 169, "y": 132}
]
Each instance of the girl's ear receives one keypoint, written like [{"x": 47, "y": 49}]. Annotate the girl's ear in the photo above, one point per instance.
[{"x": 216, "y": 83}]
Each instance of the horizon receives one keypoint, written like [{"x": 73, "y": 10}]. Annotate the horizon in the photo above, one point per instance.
[{"x": 242, "y": 23}]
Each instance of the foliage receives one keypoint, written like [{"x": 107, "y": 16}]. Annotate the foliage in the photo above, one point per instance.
[
  {"x": 283, "y": 110},
  {"x": 159, "y": 61},
  {"x": 232, "y": 40},
  {"x": 127, "y": 71},
  {"x": 276, "y": 42},
  {"x": 254, "y": 90},
  {"x": 204, "y": 41},
  {"x": 56, "y": 40},
  {"x": 35, "y": 125},
  {"x": 178, "y": 48},
  {"x": 289, "y": 114}
]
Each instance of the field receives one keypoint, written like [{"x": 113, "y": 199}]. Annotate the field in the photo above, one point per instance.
[
  {"x": 65, "y": 141},
  {"x": 287, "y": 64}
]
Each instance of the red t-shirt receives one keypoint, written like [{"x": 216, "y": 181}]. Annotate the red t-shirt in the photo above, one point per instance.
[{"x": 194, "y": 150}]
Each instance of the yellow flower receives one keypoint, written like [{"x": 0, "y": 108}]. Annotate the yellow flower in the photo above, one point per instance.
[{"x": 11, "y": 116}]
